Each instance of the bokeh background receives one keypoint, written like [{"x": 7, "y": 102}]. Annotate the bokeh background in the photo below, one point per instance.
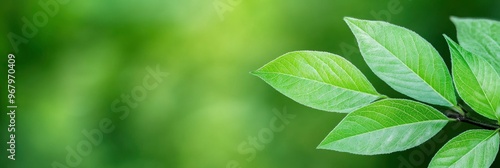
[{"x": 91, "y": 52}]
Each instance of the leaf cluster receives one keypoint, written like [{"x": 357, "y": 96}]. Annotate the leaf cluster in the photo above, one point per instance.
[{"x": 378, "y": 124}]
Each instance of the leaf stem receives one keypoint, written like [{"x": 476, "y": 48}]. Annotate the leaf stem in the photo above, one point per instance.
[
  {"x": 461, "y": 118},
  {"x": 459, "y": 110}
]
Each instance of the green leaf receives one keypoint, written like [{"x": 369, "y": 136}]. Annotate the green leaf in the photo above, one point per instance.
[
  {"x": 476, "y": 81},
  {"x": 473, "y": 148},
  {"x": 385, "y": 126},
  {"x": 481, "y": 37},
  {"x": 405, "y": 61},
  {"x": 319, "y": 80}
]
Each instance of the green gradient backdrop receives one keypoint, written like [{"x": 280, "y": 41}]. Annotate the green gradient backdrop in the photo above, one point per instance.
[{"x": 93, "y": 51}]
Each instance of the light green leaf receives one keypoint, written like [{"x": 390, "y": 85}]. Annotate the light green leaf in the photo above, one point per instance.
[
  {"x": 476, "y": 81},
  {"x": 473, "y": 148},
  {"x": 405, "y": 61},
  {"x": 319, "y": 80},
  {"x": 481, "y": 37},
  {"x": 385, "y": 126}
]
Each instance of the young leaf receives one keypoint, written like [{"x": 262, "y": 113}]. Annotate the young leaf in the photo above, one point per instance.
[
  {"x": 405, "y": 61},
  {"x": 476, "y": 81},
  {"x": 473, "y": 148},
  {"x": 319, "y": 80},
  {"x": 481, "y": 37},
  {"x": 385, "y": 126}
]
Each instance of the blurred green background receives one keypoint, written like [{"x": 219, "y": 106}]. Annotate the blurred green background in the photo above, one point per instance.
[{"x": 202, "y": 115}]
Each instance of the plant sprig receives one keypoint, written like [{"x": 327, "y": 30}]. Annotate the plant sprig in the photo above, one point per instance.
[{"x": 377, "y": 124}]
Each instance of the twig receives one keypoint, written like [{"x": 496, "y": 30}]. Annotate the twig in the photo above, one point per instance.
[{"x": 453, "y": 115}]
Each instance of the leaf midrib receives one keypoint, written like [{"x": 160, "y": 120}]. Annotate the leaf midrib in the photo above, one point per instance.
[
  {"x": 294, "y": 76},
  {"x": 387, "y": 128}
]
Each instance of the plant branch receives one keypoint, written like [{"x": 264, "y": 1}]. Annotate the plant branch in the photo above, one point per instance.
[{"x": 454, "y": 115}]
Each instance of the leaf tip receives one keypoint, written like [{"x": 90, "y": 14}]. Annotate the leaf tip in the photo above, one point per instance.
[
  {"x": 347, "y": 18},
  {"x": 321, "y": 146},
  {"x": 350, "y": 20},
  {"x": 447, "y": 38},
  {"x": 450, "y": 42},
  {"x": 456, "y": 19},
  {"x": 255, "y": 73}
]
